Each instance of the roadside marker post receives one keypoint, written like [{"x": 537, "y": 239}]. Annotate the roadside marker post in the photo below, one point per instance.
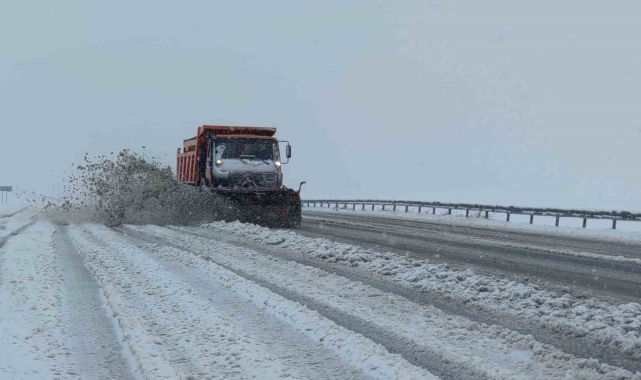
[{"x": 5, "y": 190}]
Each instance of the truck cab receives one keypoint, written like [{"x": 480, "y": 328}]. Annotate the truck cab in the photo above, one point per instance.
[
  {"x": 245, "y": 161},
  {"x": 225, "y": 157}
]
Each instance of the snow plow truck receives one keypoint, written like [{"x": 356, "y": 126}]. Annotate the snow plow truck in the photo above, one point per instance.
[{"x": 242, "y": 166}]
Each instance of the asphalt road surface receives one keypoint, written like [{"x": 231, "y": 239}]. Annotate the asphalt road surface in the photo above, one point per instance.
[{"x": 579, "y": 264}]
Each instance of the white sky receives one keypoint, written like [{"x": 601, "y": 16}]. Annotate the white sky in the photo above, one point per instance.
[{"x": 524, "y": 103}]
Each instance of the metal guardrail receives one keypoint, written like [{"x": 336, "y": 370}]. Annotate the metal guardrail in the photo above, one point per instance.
[{"x": 393, "y": 205}]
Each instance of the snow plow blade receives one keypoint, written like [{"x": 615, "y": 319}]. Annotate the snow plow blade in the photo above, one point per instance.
[{"x": 265, "y": 207}]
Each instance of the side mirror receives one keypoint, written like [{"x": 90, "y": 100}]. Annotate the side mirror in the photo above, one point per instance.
[{"x": 288, "y": 154}]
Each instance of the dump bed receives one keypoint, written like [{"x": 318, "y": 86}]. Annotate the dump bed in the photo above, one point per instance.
[{"x": 225, "y": 130}]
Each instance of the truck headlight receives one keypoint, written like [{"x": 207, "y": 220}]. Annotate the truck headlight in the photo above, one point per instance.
[
  {"x": 219, "y": 162},
  {"x": 277, "y": 163}
]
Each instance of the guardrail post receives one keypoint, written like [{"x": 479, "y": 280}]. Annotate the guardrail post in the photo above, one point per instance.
[
  {"x": 434, "y": 210},
  {"x": 373, "y": 205},
  {"x": 467, "y": 213},
  {"x": 557, "y": 221},
  {"x": 508, "y": 216},
  {"x": 531, "y": 218},
  {"x": 406, "y": 208},
  {"x": 585, "y": 222},
  {"x": 487, "y": 214},
  {"x": 614, "y": 224},
  {"x": 419, "y": 209},
  {"x": 363, "y": 207}
]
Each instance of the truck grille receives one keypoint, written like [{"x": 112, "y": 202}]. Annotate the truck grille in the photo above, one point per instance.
[{"x": 260, "y": 179}]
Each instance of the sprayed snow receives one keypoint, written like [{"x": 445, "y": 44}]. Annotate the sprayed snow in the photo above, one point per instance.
[
  {"x": 614, "y": 327},
  {"x": 496, "y": 352},
  {"x": 131, "y": 188}
]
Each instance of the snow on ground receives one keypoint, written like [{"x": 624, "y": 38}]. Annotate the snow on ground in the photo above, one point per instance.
[
  {"x": 190, "y": 307},
  {"x": 8, "y": 209},
  {"x": 174, "y": 332},
  {"x": 479, "y": 350},
  {"x": 15, "y": 219},
  {"x": 615, "y": 327},
  {"x": 627, "y": 231},
  {"x": 53, "y": 325},
  {"x": 31, "y": 329}
]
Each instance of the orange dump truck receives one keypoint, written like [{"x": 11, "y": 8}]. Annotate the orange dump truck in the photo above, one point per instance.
[{"x": 243, "y": 165}]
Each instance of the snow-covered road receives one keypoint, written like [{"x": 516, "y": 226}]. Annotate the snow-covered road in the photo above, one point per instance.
[{"x": 227, "y": 300}]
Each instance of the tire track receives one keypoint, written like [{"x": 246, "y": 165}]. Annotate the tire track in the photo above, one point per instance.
[
  {"x": 350, "y": 310},
  {"x": 172, "y": 283},
  {"x": 9, "y": 215},
  {"x": 291, "y": 347},
  {"x": 94, "y": 340},
  {"x": 16, "y": 232},
  {"x": 578, "y": 346},
  {"x": 414, "y": 354}
]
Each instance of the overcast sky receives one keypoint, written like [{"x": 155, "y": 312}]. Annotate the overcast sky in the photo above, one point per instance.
[{"x": 522, "y": 103}]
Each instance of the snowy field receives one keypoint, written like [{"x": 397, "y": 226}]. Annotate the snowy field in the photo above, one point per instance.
[
  {"x": 237, "y": 301},
  {"x": 12, "y": 206}
]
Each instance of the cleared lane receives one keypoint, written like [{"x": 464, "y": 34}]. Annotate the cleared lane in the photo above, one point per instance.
[
  {"x": 589, "y": 244},
  {"x": 535, "y": 257}
]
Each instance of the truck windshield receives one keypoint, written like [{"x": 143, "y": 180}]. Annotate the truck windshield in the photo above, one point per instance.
[{"x": 252, "y": 149}]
